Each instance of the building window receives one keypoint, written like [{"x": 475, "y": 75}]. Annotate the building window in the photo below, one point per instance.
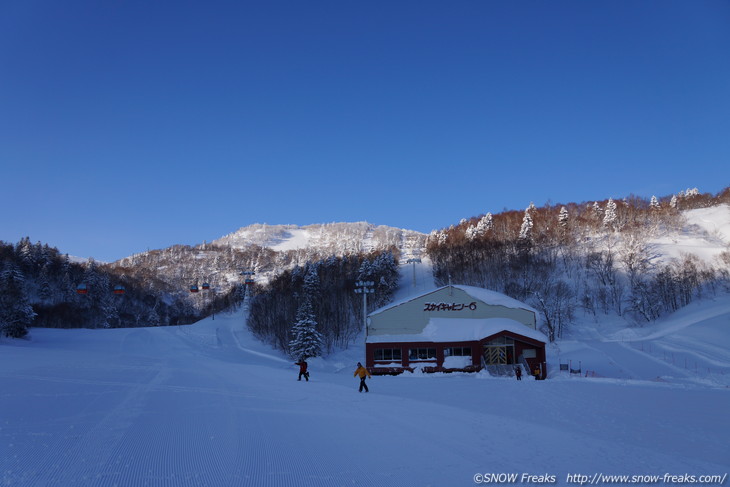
[
  {"x": 457, "y": 352},
  {"x": 529, "y": 353},
  {"x": 422, "y": 354},
  {"x": 500, "y": 341},
  {"x": 388, "y": 354}
]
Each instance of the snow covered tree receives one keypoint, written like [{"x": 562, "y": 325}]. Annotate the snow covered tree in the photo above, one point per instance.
[
  {"x": 16, "y": 314},
  {"x": 386, "y": 278},
  {"x": 366, "y": 271},
  {"x": 471, "y": 232},
  {"x": 673, "y": 202},
  {"x": 153, "y": 317},
  {"x": 24, "y": 249},
  {"x": 306, "y": 341},
  {"x": 311, "y": 286},
  {"x": 45, "y": 293},
  {"x": 597, "y": 211},
  {"x": 654, "y": 204},
  {"x": 563, "y": 218},
  {"x": 526, "y": 228},
  {"x": 609, "y": 219},
  {"x": 484, "y": 225}
]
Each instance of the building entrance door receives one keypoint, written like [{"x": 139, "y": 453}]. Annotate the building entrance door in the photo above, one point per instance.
[
  {"x": 500, "y": 351},
  {"x": 499, "y": 355}
]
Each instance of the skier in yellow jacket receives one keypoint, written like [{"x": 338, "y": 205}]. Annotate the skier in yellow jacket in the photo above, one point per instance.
[{"x": 363, "y": 373}]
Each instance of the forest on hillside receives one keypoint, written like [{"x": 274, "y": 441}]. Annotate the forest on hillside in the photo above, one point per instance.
[
  {"x": 41, "y": 287},
  {"x": 320, "y": 299},
  {"x": 593, "y": 258}
]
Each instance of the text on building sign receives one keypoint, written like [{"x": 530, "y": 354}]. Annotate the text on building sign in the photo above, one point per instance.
[{"x": 449, "y": 306}]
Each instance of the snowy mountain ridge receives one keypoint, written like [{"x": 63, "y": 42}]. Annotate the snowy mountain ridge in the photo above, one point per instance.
[{"x": 336, "y": 238}]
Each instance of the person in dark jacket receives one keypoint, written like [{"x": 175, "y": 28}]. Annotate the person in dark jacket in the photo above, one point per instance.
[
  {"x": 303, "y": 370},
  {"x": 518, "y": 373}
]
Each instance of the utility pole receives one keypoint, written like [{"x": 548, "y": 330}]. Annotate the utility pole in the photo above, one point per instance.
[{"x": 364, "y": 288}]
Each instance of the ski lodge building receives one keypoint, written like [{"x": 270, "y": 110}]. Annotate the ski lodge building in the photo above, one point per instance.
[{"x": 455, "y": 328}]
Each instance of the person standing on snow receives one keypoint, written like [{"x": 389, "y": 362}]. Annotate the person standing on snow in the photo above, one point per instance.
[
  {"x": 303, "y": 369},
  {"x": 518, "y": 373},
  {"x": 363, "y": 373}
]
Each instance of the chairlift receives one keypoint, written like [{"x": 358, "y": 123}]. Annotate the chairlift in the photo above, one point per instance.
[
  {"x": 82, "y": 288},
  {"x": 119, "y": 289},
  {"x": 249, "y": 281},
  {"x": 194, "y": 288},
  {"x": 206, "y": 286}
]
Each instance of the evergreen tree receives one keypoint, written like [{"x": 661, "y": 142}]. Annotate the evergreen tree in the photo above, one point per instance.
[
  {"x": 609, "y": 219},
  {"x": 153, "y": 318},
  {"x": 563, "y": 221},
  {"x": 526, "y": 228},
  {"x": 484, "y": 225},
  {"x": 471, "y": 232},
  {"x": 385, "y": 271},
  {"x": 597, "y": 211},
  {"x": 654, "y": 205},
  {"x": 311, "y": 286},
  {"x": 366, "y": 271},
  {"x": 306, "y": 341},
  {"x": 45, "y": 293},
  {"x": 24, "y": 249},
  {"x": 563, "y": 218},
  {"x": 16, "y": 314}
]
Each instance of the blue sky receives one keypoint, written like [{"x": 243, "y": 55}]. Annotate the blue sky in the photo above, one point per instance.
[{"x": 134, "y": 125}]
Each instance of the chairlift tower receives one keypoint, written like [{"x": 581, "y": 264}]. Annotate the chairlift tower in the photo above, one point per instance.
[{"x": 414, "y": 261}]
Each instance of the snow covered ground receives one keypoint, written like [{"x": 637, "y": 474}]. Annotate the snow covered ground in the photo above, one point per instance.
[
  {"x": 207, "y": 404},
  {"x": 705, "y": 234}
]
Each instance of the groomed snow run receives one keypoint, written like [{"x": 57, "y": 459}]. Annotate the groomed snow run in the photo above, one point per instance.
[{"x": 209, "y": 405}]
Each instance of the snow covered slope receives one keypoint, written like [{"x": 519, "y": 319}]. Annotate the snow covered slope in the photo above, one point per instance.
[
  {"x": 336, "y": 238},
  {"x": 705, "y": 234},
  {"x": 207, "y": 404}
]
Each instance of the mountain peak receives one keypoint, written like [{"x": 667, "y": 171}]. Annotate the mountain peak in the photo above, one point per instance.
[{"x": 337, "y": 237}]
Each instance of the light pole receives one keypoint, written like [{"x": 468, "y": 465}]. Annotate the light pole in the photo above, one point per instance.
[{"x": 364, "y": 288}]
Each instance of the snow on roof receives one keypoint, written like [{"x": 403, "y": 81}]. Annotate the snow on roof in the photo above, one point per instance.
[
  {"x": 493, "y": 297},
  {"x": 484, "y": 295},
  {"x": 462, "y": 330}
]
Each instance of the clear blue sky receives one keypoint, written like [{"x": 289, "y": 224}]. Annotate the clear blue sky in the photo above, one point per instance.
[{"x": 127, "y": 125}]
